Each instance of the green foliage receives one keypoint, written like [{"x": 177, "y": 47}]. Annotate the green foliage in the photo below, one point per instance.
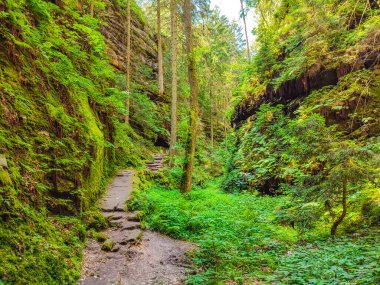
[
  {"x": 304, "y": 158},
  {"x": 308, "y": 153},
  {"x": 262, "y": 150},
  {"x": 348, "y": 260},
  {"x": 236, "y": 233},
  {"x": 146, "y": 116},
  {"x": 242, "y": 240},
  {"x": 344, "y": 104},
  {"x": 293, "y": 37}
]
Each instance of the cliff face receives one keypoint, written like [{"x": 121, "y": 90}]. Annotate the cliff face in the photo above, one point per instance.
[
  {"x": 52, "y": 93},
  {"x": 60, "y": 104},
  {"x": 311, "y": 66},
  {"x": 144, "y": 71},
  {"x": 292, "y": 92},
  {"x": 144, "y": 47}
]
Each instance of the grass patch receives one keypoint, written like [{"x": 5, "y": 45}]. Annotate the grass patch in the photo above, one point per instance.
[
  {"x": 240, "y": 241},
  {"x": 236, "y": 233}
]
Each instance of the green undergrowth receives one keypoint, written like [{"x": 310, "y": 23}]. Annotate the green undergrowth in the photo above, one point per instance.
[
  {"x": 236, "y": 233},
  {"x": 242, "y": 240},
  {"x": 344, "y": 260}
]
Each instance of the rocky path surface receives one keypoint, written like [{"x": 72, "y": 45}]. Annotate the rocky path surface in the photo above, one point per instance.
[{"x": 130, "y": 255}]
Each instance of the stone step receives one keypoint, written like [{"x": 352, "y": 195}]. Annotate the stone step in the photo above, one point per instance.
[
  {"x": 159, "y": 158},
  {"x": 154, "y": 169},
  {"x": 117, "y": 209},
  {"x": 154, "y": 164},
  {"x": 159, "y": 155},
  {"x": 114, "y": 216},
  {"x": 124, "y": 224},
  {"x": 130, "y": 225},
  {"x": 124, "y": 173},
  {"x": 133, "y": 217},
  {"x": 126, "y": 237},
  {"x": 132, "y": 236}
]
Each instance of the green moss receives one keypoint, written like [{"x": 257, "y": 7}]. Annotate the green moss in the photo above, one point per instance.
[
  {"x": 108, "y": 245},
  {"x": 135, "y": 9},
  {"x": 37, "y": 243},
  {"x": 100, "y": 237},
  {"x": 58, "y": 133},
  {"x": 5, "y": 179},
  {"x": 94, "y": 219}
]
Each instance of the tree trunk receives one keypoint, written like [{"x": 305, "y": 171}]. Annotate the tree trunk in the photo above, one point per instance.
[
  {"x": 224, "y": 117},
  {"x": 190, "y": 152},
  {"x": 246, "y": 31},
  {"x": 92, "y": 8},
  {"x": 159, "y": 47},
  {"x": 173, "y": 124},
  {"x": 344, "y": 206},
  {"x": 128, "y": 75},
  {"x": 211, "y": 118},
  {"x": 80, "y": 6}
]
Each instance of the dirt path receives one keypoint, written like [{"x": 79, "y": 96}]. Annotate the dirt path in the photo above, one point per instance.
[{"x": 134, "y": 256}]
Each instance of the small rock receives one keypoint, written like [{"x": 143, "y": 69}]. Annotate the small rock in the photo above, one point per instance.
[
  {"x": 115, "y": 249},
  {"x": 108, "y": 245},
  {"x": 3, "y": 161},
  {"x": 44, "y": 133},
  {"x": 23, "y": 118}
]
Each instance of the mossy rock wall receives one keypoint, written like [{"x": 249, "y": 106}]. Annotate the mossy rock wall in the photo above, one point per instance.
[{"x": 60, "y": 104}]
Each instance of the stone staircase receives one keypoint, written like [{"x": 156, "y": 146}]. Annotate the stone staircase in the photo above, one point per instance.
[{"x": 157, "y": 163}]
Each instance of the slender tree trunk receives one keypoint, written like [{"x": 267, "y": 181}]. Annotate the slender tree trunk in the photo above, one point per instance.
[
  {"x": 92, "y": 8},
  {"x": 80, "y": 6},
  {"x": 190, "y": 152},
  {"x": 225, "y": 99},
  {"x": 128, "y": 75},
  {"x": 246, "y": 31},
  {"x": 344, "y": 206},
  {"x": 173, "y": 28},
  {"x": 211, "y": 118},
  {"x": 159, "y": 47}
]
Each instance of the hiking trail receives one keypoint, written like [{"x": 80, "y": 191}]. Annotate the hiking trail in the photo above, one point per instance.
[{"x": 132, "y": 256}]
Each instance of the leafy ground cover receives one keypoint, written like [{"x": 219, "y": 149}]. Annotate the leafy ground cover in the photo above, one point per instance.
[
  {"x": 241, "y": 242},
  {"x": 344, "y": 260}
]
